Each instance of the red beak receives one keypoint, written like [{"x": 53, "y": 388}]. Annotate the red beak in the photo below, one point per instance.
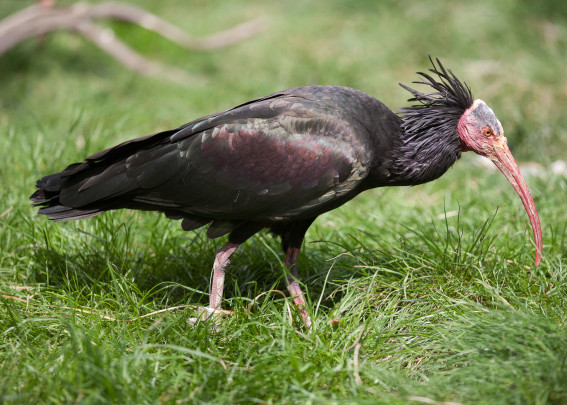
[{"x": 504, "y": 160}]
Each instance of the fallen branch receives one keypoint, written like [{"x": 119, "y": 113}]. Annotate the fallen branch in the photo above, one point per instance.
[
  {"x": 135, "y": 15},
  {"x": 39, "y": 20}
]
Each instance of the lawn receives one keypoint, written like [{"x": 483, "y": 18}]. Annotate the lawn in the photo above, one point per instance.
[{"x": 419, "y": 295}]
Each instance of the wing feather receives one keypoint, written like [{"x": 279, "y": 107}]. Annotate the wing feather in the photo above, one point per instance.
[{"x": 262, "y": 169}]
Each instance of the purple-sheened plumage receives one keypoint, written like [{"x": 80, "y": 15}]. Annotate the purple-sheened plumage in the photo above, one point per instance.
[{"x": 280, "y": 161}]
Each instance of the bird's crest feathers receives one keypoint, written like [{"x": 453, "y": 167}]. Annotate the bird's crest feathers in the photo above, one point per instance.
[
  {"x": 449, "y": 90},
  {"x": 438, "y": 110}
]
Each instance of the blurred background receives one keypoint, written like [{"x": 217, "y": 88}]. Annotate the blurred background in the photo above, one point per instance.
[{"x": 61, "y": 89}]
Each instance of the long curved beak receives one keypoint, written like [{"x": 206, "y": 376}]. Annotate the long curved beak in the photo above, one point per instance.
[{"x": 503, "y": 159}]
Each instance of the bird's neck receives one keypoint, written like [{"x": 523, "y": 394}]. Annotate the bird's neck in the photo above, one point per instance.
[{"x": 425, "y": 156}]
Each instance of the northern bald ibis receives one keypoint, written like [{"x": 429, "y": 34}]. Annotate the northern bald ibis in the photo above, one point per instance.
[{"x": 280, "y": 161}]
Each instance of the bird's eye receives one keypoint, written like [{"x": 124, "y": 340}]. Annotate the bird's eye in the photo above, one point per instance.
[{"x": 487, "y": 131}]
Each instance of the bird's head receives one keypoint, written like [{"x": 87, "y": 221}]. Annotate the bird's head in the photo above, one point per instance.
[
  {"x": 451, "y": 107},
  {"x": 480, "y": 131}
]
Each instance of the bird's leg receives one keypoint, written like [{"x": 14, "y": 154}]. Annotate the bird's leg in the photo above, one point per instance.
[
  {"x": 293, "y": 284},
  {"x": 222, "y": 260}
]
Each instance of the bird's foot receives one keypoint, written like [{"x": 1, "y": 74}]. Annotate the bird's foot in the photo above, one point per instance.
[
  {"x": 209, "y": 314},
  {"x": 300, "y": 303}
]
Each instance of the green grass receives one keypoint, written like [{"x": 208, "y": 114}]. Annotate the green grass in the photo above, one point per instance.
[{"x": 418, "y": 295}]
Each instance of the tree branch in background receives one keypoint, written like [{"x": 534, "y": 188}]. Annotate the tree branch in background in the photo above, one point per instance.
[{"x": 39, "y": 20}]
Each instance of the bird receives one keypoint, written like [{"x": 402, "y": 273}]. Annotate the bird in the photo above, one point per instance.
[{"x": 280, "y": 161}]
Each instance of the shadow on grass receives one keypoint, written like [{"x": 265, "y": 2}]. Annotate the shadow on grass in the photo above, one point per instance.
[
  {"x": 174, "y": 267},
  {"x": 179, "y": 270}
]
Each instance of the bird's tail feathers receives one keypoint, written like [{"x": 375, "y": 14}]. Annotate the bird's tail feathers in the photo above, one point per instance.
[
  {"x": 59, "y": 213},
  {"x": 47, "y": 197}
]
